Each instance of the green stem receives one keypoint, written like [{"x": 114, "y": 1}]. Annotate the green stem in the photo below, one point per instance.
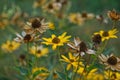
[
  {"x": 29, "y": 71},
  {"x": 89, "y": 57},
  {"x": 99, "y": 52},
  {"x": 108, "y": 74},
  {"x": 114, "y": 25},
  {"x": 59, "y": 57}
]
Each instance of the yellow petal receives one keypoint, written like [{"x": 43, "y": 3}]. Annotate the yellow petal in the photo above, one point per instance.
[{"x": 68, "y": 66}]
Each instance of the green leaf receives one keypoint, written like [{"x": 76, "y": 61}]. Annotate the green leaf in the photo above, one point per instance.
[
  {"x": 62, "y": 76},
  {"x": 39, "y": 72}
]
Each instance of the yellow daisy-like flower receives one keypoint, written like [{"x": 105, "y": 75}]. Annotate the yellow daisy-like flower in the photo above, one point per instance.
[
  {"x": 10, "y": 46},
  {"x": 56, "y": 41},
  {"x": 112, "y": 75},
  {"x": 72, "y": 60},
  {"x": 39, "y": 51},
  {"x": 42, "y": 75},
  {"x": 97, "y": 76},
  {"x": 105, "y": 35}
]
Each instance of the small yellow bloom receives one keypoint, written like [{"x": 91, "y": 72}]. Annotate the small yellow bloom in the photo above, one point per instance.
[
  {"x": 105, "y": 35},
  {"x": 42, "y": 75},
  {"x": 76, "y": 18},
  {"x": 94, "y": 75},
  {"x": 72, "y": 60},
  {"x": 10, "y": 46},
  {"x": 51, "y": 25},
  {"x": 113, "y": 75},
  {"x": 56, "y": 41},
  {"x": 39, "y": 51}
]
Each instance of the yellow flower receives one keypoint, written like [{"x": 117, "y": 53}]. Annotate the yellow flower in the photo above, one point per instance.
[
  {"x": 76, "y": 18},
  {"x": 105, "y": 35},
  {"x": 38, "y": 3},
  {"x": 93, "y": 75},
  {"x": 51, "y": 25},
  {"x": 72, "y": 60},
  {"x": 42, "y": 75},
  {"x": 10, "y": 46},
  {"x": 56, "y": 41},
  {"x": 39, "y": 51},
  {"x": 113, "y": 75}
]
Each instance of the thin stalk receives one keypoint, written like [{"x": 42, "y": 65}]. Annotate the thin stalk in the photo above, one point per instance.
[
  {"x": 59, "y": 57},
  {"x": 99, "y": 52},
  {"x": 89, "y": 57}
]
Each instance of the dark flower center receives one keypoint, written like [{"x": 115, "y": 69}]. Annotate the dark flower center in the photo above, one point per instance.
[
  {"x": 84, "y": 15},
  {"x": 64, "y": 2},
  {"x": 10, "y": 45},
  {"x": 71, "y": 60},
  {"x": 27, "y": 38},
  {"x": 22, "y": 57},
  {"x": 58, "y": 1},
  {"x": 56, "y": 40},
  {"x": 38, "y": 51},
  {"x": 96, "y": 39},
  {"x": 105, "y": 34},
  {"x": 36, "y": 23},
  {"x": 50, "y": 6},
  {"x": 112, "y": 60},
  {"x": 83, "y": 47}
]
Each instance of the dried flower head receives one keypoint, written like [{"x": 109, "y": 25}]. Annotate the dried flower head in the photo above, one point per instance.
[
  {"x": 114, "y": 15},
  {"x": 79, "y": 47},
  {"x": 96, "y": 39},
  {"x": 25, "y": 38},
  {"x": 36, "y": 25},
  {"x": 110, "y": 61}
]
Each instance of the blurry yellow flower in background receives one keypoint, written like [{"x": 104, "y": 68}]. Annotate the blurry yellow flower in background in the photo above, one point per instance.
[
  {"x": 56, "y": 41},
  {"x": 94, "y": 75},
  {"x": 51, "y": 25},
  {"x": 105, "y": 35},
  {"x": 113, "y": 75},
  {"x": 43, "y": 73},
  {"x": 39, "y": 51},
  {"x": 38, "y": 3},
  {"x": 72, "y": 60},
  {"x": 3, "y": 23},
  {"x": 10, "y": 46},
  {"x": 76, "y": 18}
]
